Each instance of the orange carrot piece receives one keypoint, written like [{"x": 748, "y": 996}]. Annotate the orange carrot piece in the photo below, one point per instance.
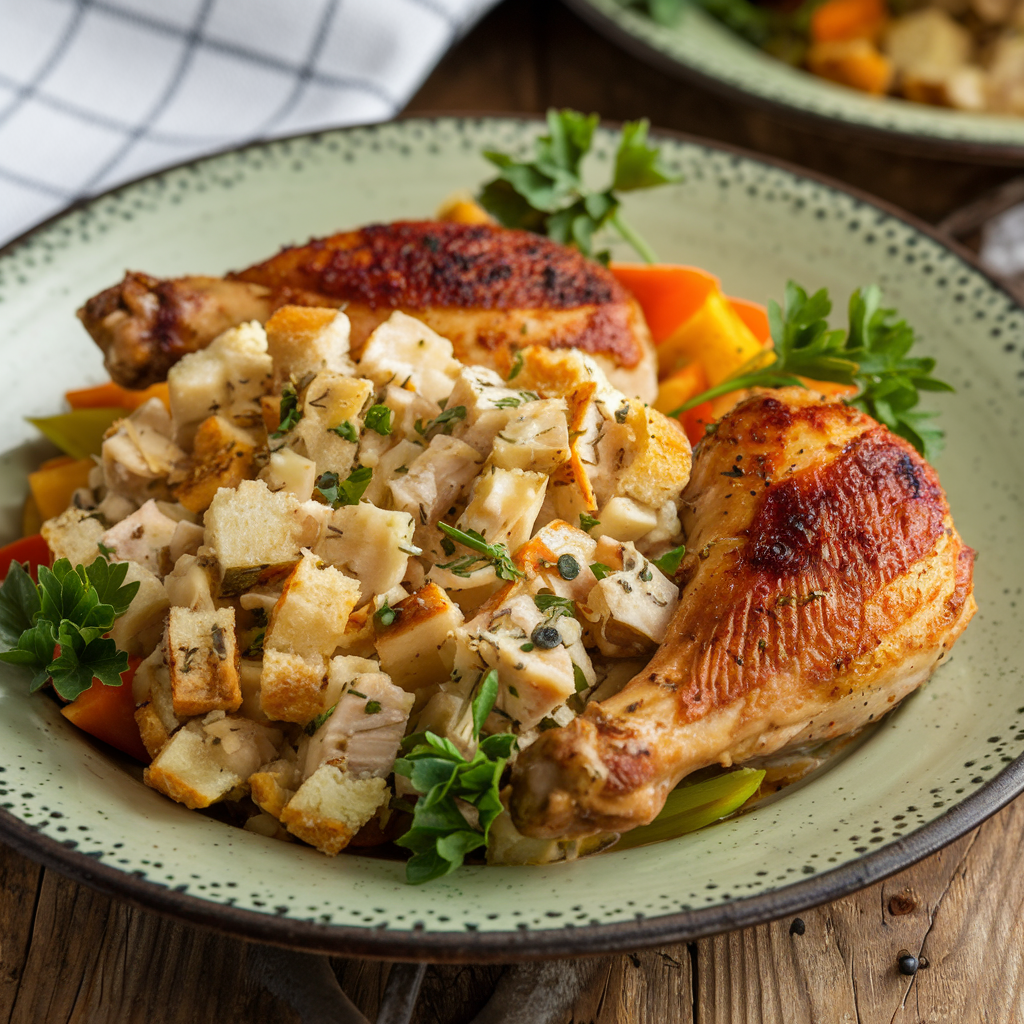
[
  {"x": 680, "y": 387},
  {"x": 111, "y": 395},
  {"x": 837, "y": 20},
  {"x": 53, "y": 486},
  {"x": 755, "y": 316},
  {"x": 668, "y": 294},
  {"x": 32, "y": 550},
  {"x": 696, "y": 421},
  {"x": 108, "y": 713}
]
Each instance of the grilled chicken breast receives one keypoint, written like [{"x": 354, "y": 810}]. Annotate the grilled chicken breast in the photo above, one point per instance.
[
  {"x": 826, "y": 582},
  {"x": 487, "y": 289}
]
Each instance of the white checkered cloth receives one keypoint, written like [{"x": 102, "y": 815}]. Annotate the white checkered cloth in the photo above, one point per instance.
[{"x": 96, "y": 92}]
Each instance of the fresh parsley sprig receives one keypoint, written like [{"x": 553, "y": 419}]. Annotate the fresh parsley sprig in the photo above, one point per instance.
[
  {"x": 870, "y": 355},
  {"x": 71, "y": 607},
  {"x": 547, "y": 194},
  {"x": 441, "y": 835},
  {"x": 496, "y": 554}
]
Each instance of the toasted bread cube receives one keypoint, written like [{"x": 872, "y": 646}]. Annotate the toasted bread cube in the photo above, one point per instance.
[
  {"x": 332, "y": 400},
  {"x": 311, "y": 614},
  {"x": 143, "y": 537},
  {"x": 187, "y": 770},
  {"x": 661, "y": 466},
  {"x": 292, "y": 687},
  {"x": 228, "y": 377},
  {"x": 289, "y": 471},
  {"x": 304, "y": 340},
  {"x": 155, "y": 715},
  {"x": 274, "y": 785},
  {"x": 223, "y": 455},
  {"x": 625, "y": 519},
  {"x": 75, "y": 535},
  {"x": 331, "y": 806},
  {"x": 370, "y": 544},
  {"x": 138, "y": 630},
  {"x": 257, "y": 535},
  {"x": 414, "y": 650},
  {"x": 404, "y": 351},
  {"x": 203, "y": 659}
]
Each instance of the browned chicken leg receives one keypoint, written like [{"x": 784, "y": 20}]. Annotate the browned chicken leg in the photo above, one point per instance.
[
  {"x": 826, "y": 583},
  {"x": 487, "y": 289}
]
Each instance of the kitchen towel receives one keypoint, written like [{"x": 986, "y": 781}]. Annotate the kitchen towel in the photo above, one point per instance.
[{"x": 97, "y": 92}]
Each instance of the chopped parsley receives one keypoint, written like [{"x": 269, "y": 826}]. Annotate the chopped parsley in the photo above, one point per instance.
[
  {"x": 346, "y": 431},
  {"x": 495, "y": 554},
  {"x": 337, "y": 492},
  {"x": 290, "y": 411},
  {"x": 379, "y": 418}
]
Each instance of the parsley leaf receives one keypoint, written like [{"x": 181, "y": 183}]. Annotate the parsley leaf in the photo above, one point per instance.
[
  {"x": 385, "y": 615},
  {"x": 517, "y": 365},
  {"x": 379, "y": 418},
  {"x": 442, "y": 424},
  {"x": 871, "y": 354},
  {"x": 670, "y": 561},
  {"x": 588, "y": 522},
  {"x": 73, "y": 607},
  {"x": 557, "y": 606},
  {"x": 547, "y": 195},
  {"x": 337, "y": 492},
  {"x": 496, "y": 554},
  {"x": 346, "y": 431},
  {"x": 290, "y": 411},
  {"x": 440, "y": 836},
  {"x": 600, "y": 570}
]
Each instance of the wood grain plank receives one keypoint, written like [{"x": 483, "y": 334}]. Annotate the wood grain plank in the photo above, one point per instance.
[{"x": 20, "y": 881}]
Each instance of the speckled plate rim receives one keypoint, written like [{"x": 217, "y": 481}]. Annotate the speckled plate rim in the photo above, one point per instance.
[
  {"x": 911, "y": 143},
  {"x": 570, "y": 941}
]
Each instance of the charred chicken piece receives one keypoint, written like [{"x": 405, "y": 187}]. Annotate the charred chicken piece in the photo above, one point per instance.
[
  {"x": 825, "y": 582},
  {"x": 487, "y": 289}
]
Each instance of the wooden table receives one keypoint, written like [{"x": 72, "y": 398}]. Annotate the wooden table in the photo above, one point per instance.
[{"x": 69, "y": 954}]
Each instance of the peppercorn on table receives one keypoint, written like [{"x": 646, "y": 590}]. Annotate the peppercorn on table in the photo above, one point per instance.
[{"x": 941, "y": 940}]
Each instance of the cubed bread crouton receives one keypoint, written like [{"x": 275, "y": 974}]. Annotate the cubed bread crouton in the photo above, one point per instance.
[
  {"x": 139, "y": 629},
  {"x": 331, "y": 421},
  {"x": 151, "y": 688},
  {"x": 223, "y": 455},
  {"x": 210, "y": 760},
  {"x": 257, "y": 535},
  {"x": 405, "y": 351},
  {"x": 414, "y": 650},
  {"x": 227, "y": 377},
  {"x": 292, "y": 687},
  {"x": 75, "y": 535},
  {"x": 368, "y": 543},
  {"x": 274, "y": 785},
  {"x": 138, "y": 453},
  {"x": 504, "y": 505},
  {"x": 203, "y": 659},
  {"x": 660, "y": 467},
  {"x": 303, "y": 340},
  {"x": 330, "y": 807},
  {"x": 143, "y": 537}
]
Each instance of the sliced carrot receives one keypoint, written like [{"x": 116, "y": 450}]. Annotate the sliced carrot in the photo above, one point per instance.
[
  {"x": 53, "y": 486},
  {"x": 681, "y": 387},
  {"x": 108, "y": 713},
  {"x": 32, "y": 550},
  {"x": 697, "y": 420},
  {"x": 111, "y": 395},
  {"x": 755, "y": 316},
  {"x": 837, "y": 20},
  {"x": 668, "y": 294}
]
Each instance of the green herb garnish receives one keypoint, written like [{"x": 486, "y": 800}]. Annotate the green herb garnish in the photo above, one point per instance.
[
  {"x": 517, "y": 363},
  {"x": 556, "y": 606},
  {"x": 496, "y": 554},
  {"x": 670, "y": 561},
  {"x": 442, "y": 424},
  {"x": 319, "y": 720},
  {"x": 600, "y": 570},
  {"x": 386, "y": 615},
  {"x": 290, "y": 411},
  {"x": 579, "y": 679},
  {"x": 337, "y": 492},
  {"x": 588, "y": 522},
  {"x": 346, "y": 431},
  {"x": 373, "y": 707},
  {"x": 547, "y": 194},
  {"x": 255, "y": 649},
  {"x": 73, "y": 607},
  {"x": 440, "y": 836},
  {"x": 106, "y": 552},
  {"x": 871, "y": 354},
  {"x": 379, "y": 418}
]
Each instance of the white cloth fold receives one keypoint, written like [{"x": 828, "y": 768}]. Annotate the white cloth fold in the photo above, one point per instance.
[{"x": 96, "y": 92}]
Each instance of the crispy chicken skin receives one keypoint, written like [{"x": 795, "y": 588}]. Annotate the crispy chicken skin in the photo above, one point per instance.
[
  {"x": 825, "y": 582},
  {"x": 487, "y": 289}
]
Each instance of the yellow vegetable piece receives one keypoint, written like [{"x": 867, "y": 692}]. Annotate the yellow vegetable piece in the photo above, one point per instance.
[
  {"x": 715, "y": 337},
  {"x": 53, "y": 486},
  {"x": 681, "y": 387},
  {"x": 691, "y": 806},
  {"x": 78, "y": 433}
]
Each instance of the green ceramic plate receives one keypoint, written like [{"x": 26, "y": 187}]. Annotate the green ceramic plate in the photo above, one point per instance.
[
  {"x": 935, "y": 768},
  {"x": 700, "y": 47}
]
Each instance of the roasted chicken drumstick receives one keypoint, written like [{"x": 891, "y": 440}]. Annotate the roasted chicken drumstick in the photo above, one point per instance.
[
  {"x": 825, "y": 582},
  {"x": 487, "y": 289}
]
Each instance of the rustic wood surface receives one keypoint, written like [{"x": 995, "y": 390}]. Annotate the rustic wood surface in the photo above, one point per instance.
[{"x": 69, "y": 954}]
